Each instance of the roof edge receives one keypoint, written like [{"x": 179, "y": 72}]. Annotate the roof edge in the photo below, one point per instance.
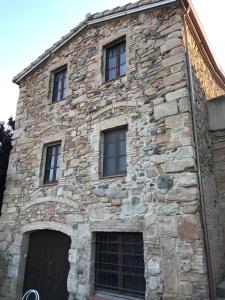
[
  {"x": 203, "y": 43},
  {"x": 84, "y": 24}
]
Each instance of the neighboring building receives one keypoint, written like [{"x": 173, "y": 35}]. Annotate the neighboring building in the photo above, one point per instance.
[{"x": 110, "y": 191}]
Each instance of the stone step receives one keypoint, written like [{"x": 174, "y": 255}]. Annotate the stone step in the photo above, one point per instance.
[{"x": 220, "y": 290}]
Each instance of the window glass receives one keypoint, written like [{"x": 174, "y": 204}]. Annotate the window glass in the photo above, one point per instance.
[
  {"x": 57, "y": 174},
  {"x": 114, "y": 153},
  {"x": 116, "y": 61},
  {"x": 59, "y": 86},
  {"x": 53, "y": 155},
  {"x": 123, "y": 69},
  {"x": 52, "y": 161},
  {"x": 112, "y": 74},
  {"x": 50, "y": 179},
  {"x": 112, "y": 62},
  {"x": 122, "y": 56},
  {"x": 122, "y": 164}
]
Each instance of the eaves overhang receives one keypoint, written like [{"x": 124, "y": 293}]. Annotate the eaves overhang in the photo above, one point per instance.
[
  {"x": 199, "y": 35},
  {"x": 88, "y": 22}
]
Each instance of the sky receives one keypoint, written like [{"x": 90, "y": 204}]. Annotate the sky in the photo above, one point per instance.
[{"x": 29, "y": 27}]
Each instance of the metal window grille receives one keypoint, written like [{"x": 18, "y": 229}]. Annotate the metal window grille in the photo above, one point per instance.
[{"x": 119, "y": 263}]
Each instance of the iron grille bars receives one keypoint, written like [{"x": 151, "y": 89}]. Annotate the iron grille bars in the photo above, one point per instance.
[{"x": 119, "y": 263}]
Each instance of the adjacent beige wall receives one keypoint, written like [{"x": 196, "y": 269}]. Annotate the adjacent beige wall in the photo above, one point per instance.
[{"x": 205, "y": 88}]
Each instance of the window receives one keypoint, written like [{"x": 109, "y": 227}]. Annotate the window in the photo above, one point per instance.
[
  {"x": 114, "y": 152},
  {"x": 53, "y": 154},
  {"x": 119, "y": 263},
  {"x": 59, "y": 85},
  {"x": 116, "y": 60}
]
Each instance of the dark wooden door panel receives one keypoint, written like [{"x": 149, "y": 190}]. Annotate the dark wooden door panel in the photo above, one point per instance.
[{"x": 47, "y": 264}]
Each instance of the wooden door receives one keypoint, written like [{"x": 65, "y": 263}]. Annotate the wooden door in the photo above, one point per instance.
[{"x": 47, "y": 265}]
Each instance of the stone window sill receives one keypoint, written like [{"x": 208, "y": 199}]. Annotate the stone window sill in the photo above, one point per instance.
[
  {"x": 111, "y": 177},
  {"x": 67, "y": 98},
  {"x": 50, "y": 102},
  {"x": 48, "y": 184},
  {"x": 119, "y": 79},
  {"x": 102, "y": 295}
]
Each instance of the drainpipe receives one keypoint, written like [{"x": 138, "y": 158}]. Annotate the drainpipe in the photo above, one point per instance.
[{"x": 196, "y": 139}]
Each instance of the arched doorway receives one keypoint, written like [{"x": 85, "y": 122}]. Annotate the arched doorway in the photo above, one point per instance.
[{"x": 47, "y": 264}]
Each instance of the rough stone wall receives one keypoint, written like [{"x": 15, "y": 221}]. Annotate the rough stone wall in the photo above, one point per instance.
[
  {"x": 218, "y": 147},
  {"x": 205, "y": 87},
  {"x": 203, "y": 74},
  {"x": 158, "y": 197}
]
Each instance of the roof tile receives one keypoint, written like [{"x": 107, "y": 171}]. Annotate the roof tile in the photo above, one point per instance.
[{"x": 97, "y": 15}]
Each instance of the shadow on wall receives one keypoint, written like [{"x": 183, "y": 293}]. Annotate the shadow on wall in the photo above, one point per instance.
[
  {"x": 210, "y": 190},
  {"x": 6, "y": 134}
]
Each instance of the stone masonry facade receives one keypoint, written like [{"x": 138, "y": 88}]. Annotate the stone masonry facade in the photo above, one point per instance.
[{"x": 159, "y": 196}]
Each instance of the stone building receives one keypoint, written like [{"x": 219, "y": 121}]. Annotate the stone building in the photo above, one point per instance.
[{"x": 111, "y": 192}]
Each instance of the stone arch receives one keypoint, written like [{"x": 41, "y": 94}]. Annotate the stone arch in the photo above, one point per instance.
[
  {"x": 42, "y": 200},
  {"x": 68, "y": 230},
  {"x": 128, "y": 103},
  {"x": 23, "y": 241}
]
